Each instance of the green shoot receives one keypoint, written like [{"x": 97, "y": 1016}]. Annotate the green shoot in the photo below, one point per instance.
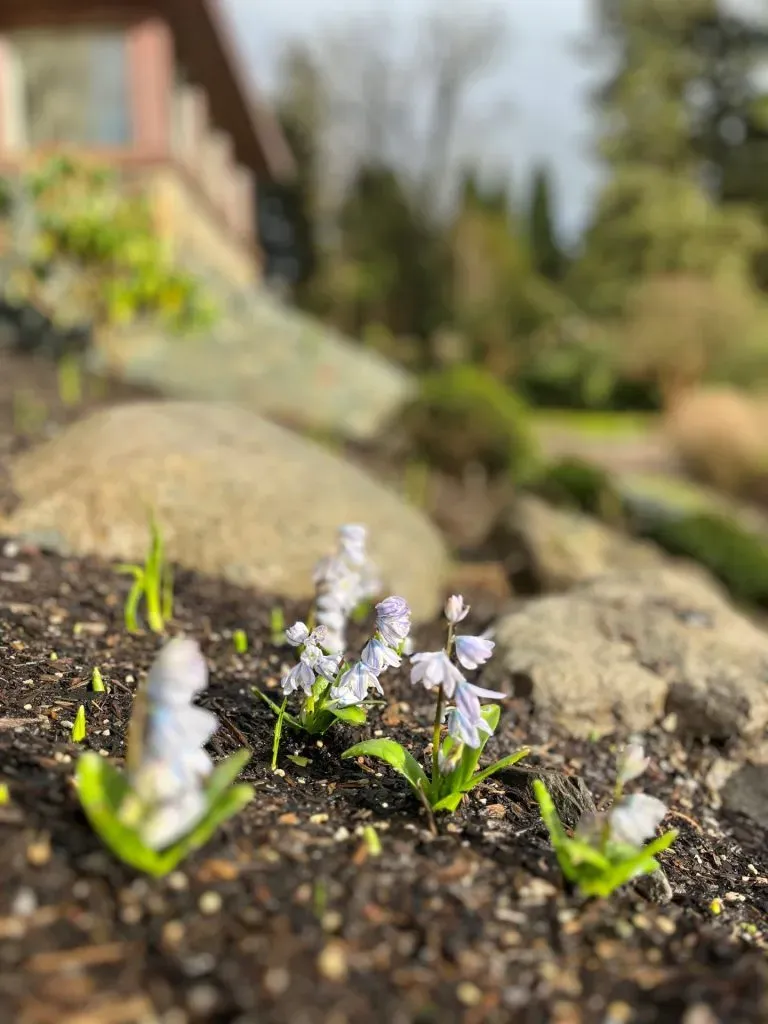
[
  {"x": 97, "y": 681},
  {"x": 240, "y": 640},
  {"x": 5, "y": 794},
  {"x": 371, "y": 841},
  {"x": 278, "y": 733},
  {"x": 277, "y": 626},
  {"x": 152, "y": 582},
  {"x": 77, "y": 734}
]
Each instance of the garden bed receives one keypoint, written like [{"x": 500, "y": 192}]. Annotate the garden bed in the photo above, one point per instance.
[{"x": 288, "y": 915}]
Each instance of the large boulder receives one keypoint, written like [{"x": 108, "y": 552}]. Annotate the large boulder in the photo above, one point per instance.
[
  {"x": 269, "y": 359},
  {"x": 555, "y": 548},
  {"x": 623, "y": 649},
  {"x": 235, "y": 496}
]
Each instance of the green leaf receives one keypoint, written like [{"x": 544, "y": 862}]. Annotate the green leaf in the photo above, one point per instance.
[
  {"x": 449, "y": 802},
  {"x": 102, "y": 790},
  {"x": 293, "y": 722},
  {"x": 396, "y": 757},
  {"x": 131, "y": 610},
  {"x": 352, "y": 715},
  {"x": 77, "y": 734},
  {"x": 299, "y": 760},
  {"x": 278, "y": 733},
  {"x": 497, "y": 766}
]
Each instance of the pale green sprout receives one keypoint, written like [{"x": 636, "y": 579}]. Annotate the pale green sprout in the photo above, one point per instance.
[
  {"x": 97, "y": 681},
  {"x": 277, "y": 626},
  {"x": 5, "y": 794},
  {"x": 608, "y": 850},
  {"x": 77, "y": 735},
  {"x": 372, "y": 841},
  {"x": 240, "y": 640},
  {"x": 153, "y": 582}
]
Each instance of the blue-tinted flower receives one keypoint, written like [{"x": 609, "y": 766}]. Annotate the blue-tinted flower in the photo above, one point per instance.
[
  {"x": 297, "y": 634},
  {"x": 378, "y": 656},
  {"x": 636, "y": 818},
  {"x": 393, "y": 620},
  {"x": 465, "y": 722},
  {"x": 343, "y": 581},
  {"x": 300, "y": 677},
  {"x": 433, "y": 669},
  {"x": 169, "y": 780},
  {"x": 473, "y": 651},
  {"x": 455, "y": 609},
  {"x": 353, "y": 686}
]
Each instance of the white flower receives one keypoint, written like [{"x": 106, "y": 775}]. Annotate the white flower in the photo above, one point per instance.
[
  {"x": 353, "y": 686},
  {"x": 169, "y": 780},
  {"x": 465, "y": 721},
  {"x": 455, "y": 609},
  {"x": 433, "y": 669},
  {"x": 297, "y": 634},
  {"x": 636, "y": 818},
  {"x": 378, "y": 656},
  {"x": 300, "y": 677},
  {"x": 393, "y": 620},
  {"x": 343, "y": 581},
  {"x": 473, "y": 651},
  {"x": 632, "y": 763}
]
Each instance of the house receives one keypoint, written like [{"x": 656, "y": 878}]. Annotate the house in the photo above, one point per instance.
[{"x": 158, "y": 90}]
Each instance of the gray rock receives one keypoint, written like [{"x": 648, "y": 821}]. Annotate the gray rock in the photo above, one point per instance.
[
  {"x": 746, "y": 792},
  {"x": 619, "y": 651},
  {"x": 271, "y": 360},
  {"x": 235, "y": 495},
  {"x": 563, "y": 548}
]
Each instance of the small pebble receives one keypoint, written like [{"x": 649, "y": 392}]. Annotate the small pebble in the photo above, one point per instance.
[
  {"x": 39, "y": 852},
  {"x": 173, "y": 933},
  {"x": 131, "y": 914},
  {"x": 201, "y": 999},
  {"x": 210, "y": 903},
  {"x": 178, "y": 881},
  {"x": 24, "y": 902},
  {"x": 332, "y": 962},
  {"x": 276, "y": 981},
  {"x": 469, "y": 994}
]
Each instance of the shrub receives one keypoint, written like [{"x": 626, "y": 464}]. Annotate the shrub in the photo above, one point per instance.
[
  {"x": 719, "y": 434},
  {"x": 738, "y": 558},
  {"x": 465, "y": 417},
  {"x": 580, "y": 484}
]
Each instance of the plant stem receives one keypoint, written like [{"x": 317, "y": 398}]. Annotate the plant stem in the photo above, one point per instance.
[{"x": 436, "y": 737}]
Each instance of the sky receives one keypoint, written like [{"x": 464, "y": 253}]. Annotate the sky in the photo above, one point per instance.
[{"x": 544, "y": 78}]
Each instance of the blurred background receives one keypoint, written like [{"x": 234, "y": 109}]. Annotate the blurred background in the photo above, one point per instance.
[{"x": 483, "y": 249}]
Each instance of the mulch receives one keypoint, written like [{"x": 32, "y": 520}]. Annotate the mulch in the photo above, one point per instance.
[{"x": 287, "y": 916}]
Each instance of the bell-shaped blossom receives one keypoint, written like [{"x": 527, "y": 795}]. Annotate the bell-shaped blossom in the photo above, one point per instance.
[
  {"x": 393, "y": 620},
  {"x": 632, "y": 763},
  {"x": 433, "y": 669},
  {"x": 297, "y": 634},
  {"x": 169, "y": 779},
  {"x": 354, "y": 684},
  {"x": 473, "y": 651},
  {"x": 378, "y": 656},
  {"x": 455, "y": 609},
  {"x": 635, "y": 819},
  {"x": 300, "y": 677},
  {"x": 465, "y": 721}
]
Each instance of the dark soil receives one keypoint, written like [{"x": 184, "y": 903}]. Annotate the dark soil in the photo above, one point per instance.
[{"x": 285, "y": 916}]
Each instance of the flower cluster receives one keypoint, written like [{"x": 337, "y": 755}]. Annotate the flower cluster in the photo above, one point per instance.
[
  {"x": 343, "y": 581},
  {"x": 172, "y": 764},
  {"x": 313, "y": 661},
  {"x": 383, "y": 650},
  {"x": 436, "y": 670}
]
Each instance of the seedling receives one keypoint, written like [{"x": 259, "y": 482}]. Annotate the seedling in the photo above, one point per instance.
[
  {"x": 153, "y": 582},
  {"x": 277, "y": 626},
  {"x": 77, "y": 735},
  {"x": 609, "y": 850},
  {"x": 5, "y": 794},
  {"x": 170, "y": 799},
  {"x": 454, "y": 758},
  {"x": 97, "y": 682},
  {"x": 240, "y": 641}
]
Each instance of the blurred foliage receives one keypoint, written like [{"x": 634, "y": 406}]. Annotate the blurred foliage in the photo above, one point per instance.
[
  {"x": 577, "y": 483},
  {"x": 80, "y": 250},
  {"x": 464, "y": 417},
  {"x": 735, "y": 556}
]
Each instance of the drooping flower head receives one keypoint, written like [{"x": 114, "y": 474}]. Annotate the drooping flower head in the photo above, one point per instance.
[
  {"x": 393, "y": 622},
  {"x": 632, "y": 763},
  {"x": 636, "y": 818},
  {"x": 455, "y": 609},
  {"x": 313, "y": 661}
]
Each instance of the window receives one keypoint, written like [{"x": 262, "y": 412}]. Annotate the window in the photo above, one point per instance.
[{"x": 72, "y": 87}]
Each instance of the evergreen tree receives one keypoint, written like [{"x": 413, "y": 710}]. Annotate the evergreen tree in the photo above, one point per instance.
[{"x": 545, "y": 250}]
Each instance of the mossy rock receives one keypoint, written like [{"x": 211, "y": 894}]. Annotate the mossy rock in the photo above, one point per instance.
[
  {"x": 576, "y": 483},
  {"x": 464, "y": 416}
]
